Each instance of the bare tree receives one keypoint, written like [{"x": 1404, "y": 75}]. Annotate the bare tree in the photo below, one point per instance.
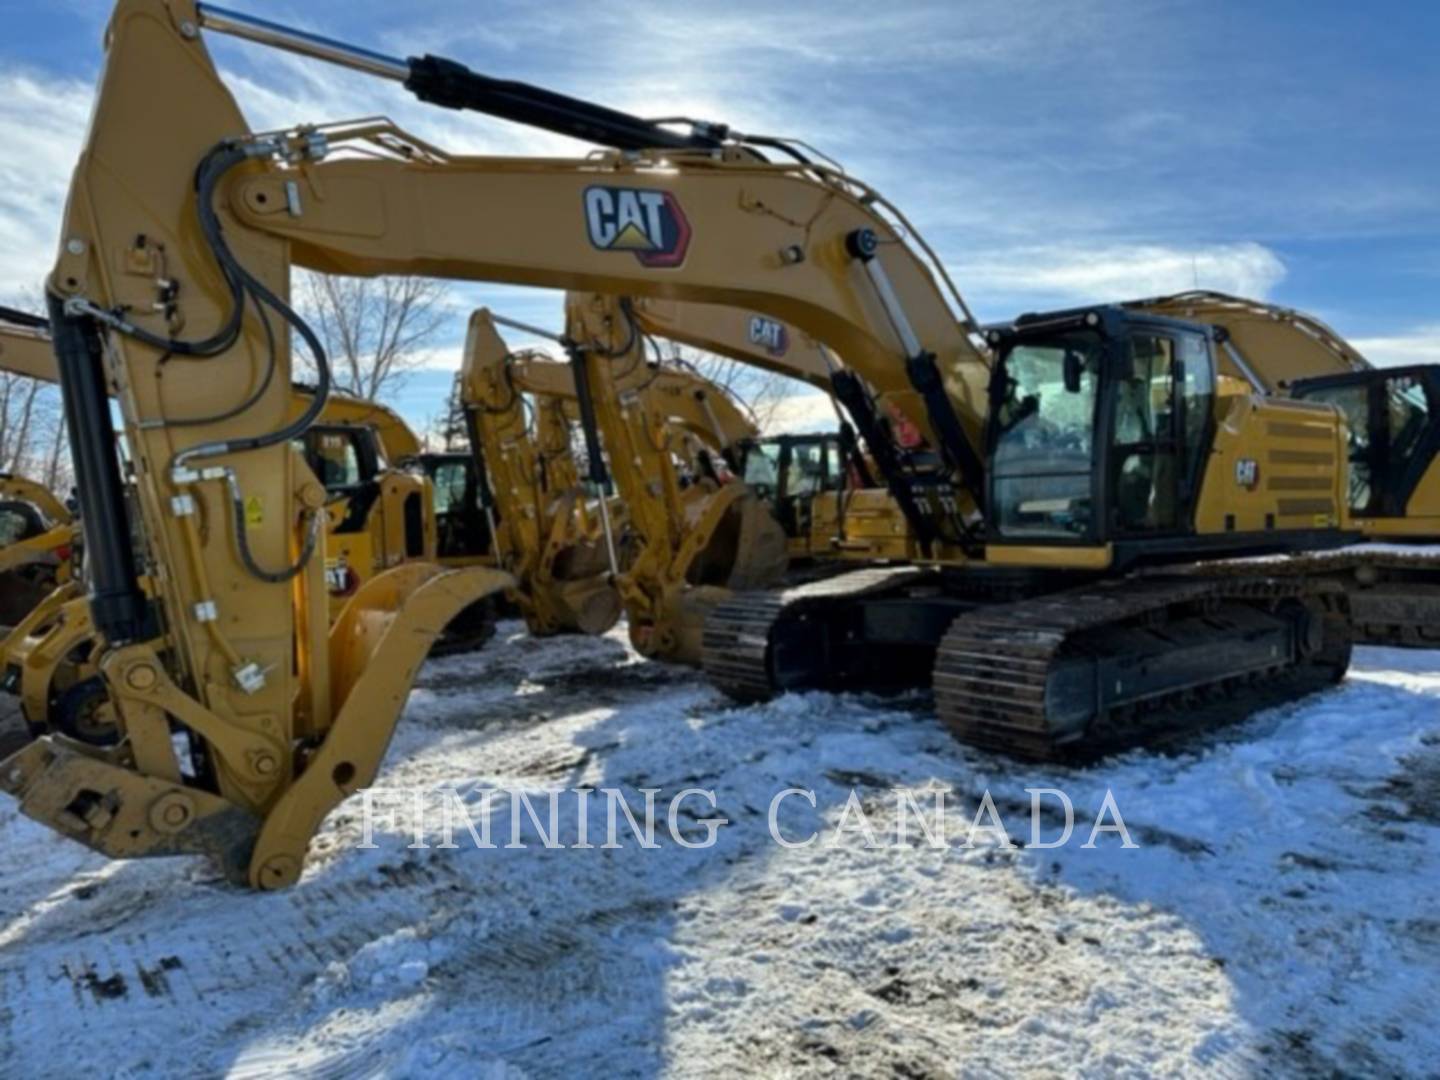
[
  {"x": 32, "y": 420},
  {"x": 374, "y": 329},
  {"x": 758, "y": 390}
]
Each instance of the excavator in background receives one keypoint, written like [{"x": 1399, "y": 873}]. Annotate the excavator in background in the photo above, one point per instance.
[
  {"x": 820, "y": 487},
  {"x": 1045, "y": 466},
  {"x": 824, "y": 499},
  {"x": 1393, "y": 423},
  {"x": 382, "y": 511},
  {"x": 39, "y": 538},
  {"x": 547, "y": 534},
  {"x": 39, "y": 545},
  {"x": 685, "y": 532},
  {"x": 696, "y": 545}
]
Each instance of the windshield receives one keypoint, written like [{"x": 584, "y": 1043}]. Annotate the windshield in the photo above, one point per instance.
[
  {"x": 1044, "y": 441},
  {"x": 449, "y": 478},
  {"x": 762, "y": 465}
]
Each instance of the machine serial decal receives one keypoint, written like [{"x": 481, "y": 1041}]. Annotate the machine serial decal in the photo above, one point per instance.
[
  {"x": 770, "y": 335},
  {"x": 649, "y": 224}
]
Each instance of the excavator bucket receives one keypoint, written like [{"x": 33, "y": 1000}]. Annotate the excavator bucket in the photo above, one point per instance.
[
  {"x": 761, "y": 554},
  {"x": 746, "y": 548},
  {"x": 583, "y": 594}
]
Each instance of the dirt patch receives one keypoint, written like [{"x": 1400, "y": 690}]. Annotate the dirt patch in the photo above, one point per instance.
[{"x": 1417, "y": 785}]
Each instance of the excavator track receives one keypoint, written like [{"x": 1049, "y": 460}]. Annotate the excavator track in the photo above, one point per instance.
[
  {"x": 1394, "y": 591},
  {"x": 758, "y": 644},
  {"x": 1093, "y": 669}
]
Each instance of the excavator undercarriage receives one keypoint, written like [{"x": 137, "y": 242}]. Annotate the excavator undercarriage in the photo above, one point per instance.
[{"x": 1036, "y": 672}]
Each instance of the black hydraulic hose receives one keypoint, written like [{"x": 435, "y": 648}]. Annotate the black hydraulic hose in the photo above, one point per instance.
[
  {"x": 242, "y": 544},
  {"x": 243, "y": 286},
  {"x": 214, "y": 165},
  {"x": 254, "y": 396}
]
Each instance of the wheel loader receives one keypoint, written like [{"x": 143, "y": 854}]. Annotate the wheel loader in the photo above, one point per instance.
[{"x": 1041, "y": 471}]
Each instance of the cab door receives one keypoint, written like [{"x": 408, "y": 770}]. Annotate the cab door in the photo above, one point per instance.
[{"x": 1163, "y": 397}]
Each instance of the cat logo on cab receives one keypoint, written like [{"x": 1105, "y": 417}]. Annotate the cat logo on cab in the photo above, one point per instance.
[{"x": 649, "y": 224}]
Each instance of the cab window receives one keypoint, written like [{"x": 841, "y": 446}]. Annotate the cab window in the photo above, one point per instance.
[
  {"x": 449, "y": 479},
  {"x": 762, "y": 466},
  {"x": 1408, "y": 414},
  {"x": 835, "y": 467},
  {"x": 1043, "y": 442},
  {"x": 334, "y": 458},
  {"x": 806, "y": 472},
  {"x": 1354, "y": 402}
]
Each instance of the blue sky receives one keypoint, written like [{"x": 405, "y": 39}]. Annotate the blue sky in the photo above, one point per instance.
[{"x": 1054, "y": 153}]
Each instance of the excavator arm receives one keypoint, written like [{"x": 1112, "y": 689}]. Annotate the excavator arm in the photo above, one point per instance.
[
  {"x": 545, "y": 532},
  {"x": 696, "y": 544}
]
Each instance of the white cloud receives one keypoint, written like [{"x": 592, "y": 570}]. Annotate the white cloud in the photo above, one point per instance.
[
  {"x": 802, "y": 412},
  {"x": 42, "y": 121},
  {"x": 1419, "y": 346},
  {"x": 1068, "y": 274}
]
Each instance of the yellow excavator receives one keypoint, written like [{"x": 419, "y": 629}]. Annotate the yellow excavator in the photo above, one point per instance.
[
  {"x": 1393, "y": 423},
  {"x": 1047, "y": 465},
  {"x": 695, "y": 545}
]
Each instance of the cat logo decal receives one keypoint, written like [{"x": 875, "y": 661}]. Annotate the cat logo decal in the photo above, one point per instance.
[
  {"x": 770, "y": 335},
  {"x": 648, "y": 224}
]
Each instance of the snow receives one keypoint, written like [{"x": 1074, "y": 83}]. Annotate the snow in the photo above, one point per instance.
[{"x": 1277, "y": 913}]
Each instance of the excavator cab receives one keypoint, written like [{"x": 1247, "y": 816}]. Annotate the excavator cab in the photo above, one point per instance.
[
  {"x": 379, "y": 516},
  {"x": 1101, "y": 423},
  {"x": 788, "y": 471},
  {"x": 1393, "y": 416},
  {"x": 462, "y": 528}
]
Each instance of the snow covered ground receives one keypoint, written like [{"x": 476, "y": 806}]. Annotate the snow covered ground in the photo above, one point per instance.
[{"x": 1279, "y": 915}]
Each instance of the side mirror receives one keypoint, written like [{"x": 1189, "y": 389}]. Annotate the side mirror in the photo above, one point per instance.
[{"x": 1074, "y": 370}]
